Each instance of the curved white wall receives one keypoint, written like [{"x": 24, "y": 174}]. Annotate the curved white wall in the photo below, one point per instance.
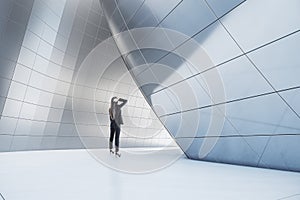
[
  {"x": 252, "y": 45},
  {"x": 42, "y": 46}
]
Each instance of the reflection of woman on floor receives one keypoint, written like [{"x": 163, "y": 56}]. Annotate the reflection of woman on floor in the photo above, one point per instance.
[{"x": 115, "y": 121}]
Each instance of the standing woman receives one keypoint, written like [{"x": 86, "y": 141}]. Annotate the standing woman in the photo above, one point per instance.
[{"x": 115, "y": 122}]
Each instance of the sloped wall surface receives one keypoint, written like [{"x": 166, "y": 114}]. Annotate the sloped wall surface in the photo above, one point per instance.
[{"x": 240, "y": 103}]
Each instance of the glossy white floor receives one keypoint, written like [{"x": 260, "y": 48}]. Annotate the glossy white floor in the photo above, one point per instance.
[{"x": 74, "y": 174}]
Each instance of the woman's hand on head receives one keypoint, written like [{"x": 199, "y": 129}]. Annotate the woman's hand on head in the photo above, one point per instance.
[{"x": 116, "y": 99}]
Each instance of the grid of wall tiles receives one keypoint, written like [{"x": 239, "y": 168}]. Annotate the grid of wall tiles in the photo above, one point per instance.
[
  {"x": 53, "y": 34},
  {"x": 253, "y": 45},
  {"x": 42, "y": 45}
]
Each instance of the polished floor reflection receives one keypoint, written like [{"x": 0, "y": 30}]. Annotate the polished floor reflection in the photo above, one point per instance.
[{"x": 74, "y": 174}]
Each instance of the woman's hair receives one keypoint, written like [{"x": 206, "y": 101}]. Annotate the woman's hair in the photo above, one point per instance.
[{"x": 112, "y": 101}]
